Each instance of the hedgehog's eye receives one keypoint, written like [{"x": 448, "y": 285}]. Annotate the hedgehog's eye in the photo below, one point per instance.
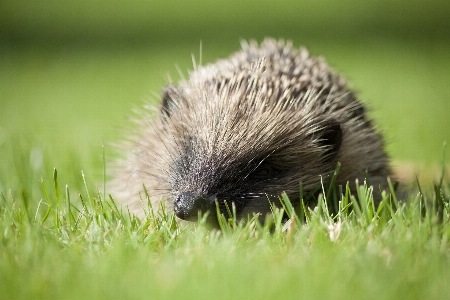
[{"x": 264, "y": 171}]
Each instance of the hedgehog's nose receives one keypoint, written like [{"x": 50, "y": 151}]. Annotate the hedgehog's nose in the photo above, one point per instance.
[{"x": 188, "y": 204}]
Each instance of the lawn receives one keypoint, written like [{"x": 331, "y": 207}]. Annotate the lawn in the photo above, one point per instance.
[{"x": 69, "y": 77}]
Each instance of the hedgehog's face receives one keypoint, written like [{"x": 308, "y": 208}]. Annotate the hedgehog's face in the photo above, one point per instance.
[
  {"x": 202, "y": 183},
  {"x": 225, "y": 153}
]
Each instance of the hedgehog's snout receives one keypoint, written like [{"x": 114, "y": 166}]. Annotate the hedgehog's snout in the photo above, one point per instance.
[{"x": 188, "y": 204}]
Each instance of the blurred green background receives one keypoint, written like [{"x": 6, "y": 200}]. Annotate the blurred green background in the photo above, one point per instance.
[{"x": 70, "y": 71}]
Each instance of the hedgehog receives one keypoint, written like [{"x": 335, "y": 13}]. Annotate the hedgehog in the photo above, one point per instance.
[{"x": 244, "y": 130}]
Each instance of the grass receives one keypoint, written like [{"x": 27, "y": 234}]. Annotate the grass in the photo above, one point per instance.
[
  {"x": 69, "y": 74},
  {"x": 61, "y": 238},
  {"x": 73, "y": 245}
]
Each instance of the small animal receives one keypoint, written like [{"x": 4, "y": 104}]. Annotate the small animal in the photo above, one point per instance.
[{"x": 245, "y": 129}]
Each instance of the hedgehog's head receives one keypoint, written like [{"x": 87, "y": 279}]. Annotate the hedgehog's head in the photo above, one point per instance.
[{"x": 232, "y": 145}]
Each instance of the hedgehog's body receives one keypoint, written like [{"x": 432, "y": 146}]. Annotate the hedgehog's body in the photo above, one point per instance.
[{"x": 246, "y": 129}]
